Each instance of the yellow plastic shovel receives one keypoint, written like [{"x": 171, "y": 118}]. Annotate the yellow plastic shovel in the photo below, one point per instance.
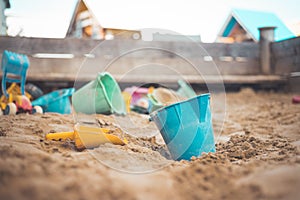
[{"x": 87, "y": 137}]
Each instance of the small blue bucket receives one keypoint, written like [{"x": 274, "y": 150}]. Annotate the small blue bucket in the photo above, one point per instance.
[
  {"x": 56, "y": 101},
  {"x": 186, "y": 127}
]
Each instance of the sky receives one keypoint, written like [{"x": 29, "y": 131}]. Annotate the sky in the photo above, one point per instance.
[{"x": 44, "y": 18}]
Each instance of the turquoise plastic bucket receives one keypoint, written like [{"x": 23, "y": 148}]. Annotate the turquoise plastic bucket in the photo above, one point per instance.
[
  {"x": 186, "y": 127},
  {"x": 56, "y": 101},
  {"x": 101, "y": 96}
]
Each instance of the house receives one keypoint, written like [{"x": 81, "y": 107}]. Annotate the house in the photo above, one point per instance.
[
  {"x": 242, "y": 26},
  {"x": 84, "y": 24}
]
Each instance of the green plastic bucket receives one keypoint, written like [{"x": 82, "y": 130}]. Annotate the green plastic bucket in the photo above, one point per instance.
[
  {"x": 101, "y": 96},
  {"x": 153, "y": 103}
]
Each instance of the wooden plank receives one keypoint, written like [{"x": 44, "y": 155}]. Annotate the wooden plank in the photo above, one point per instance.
[
  {"x": 286, "y": 56},
  {"x": 30, "y": 46},
  {"x": 231, "y": 79},
  {"x": 140, "y": 66},
  {"x": 210, "y": 79},
  {"x": 286, "y": 48},
  {"x": 287, "y": 65},
  {"x": 249, "y": 50},
  {"x": 162, "y": 66},
  {"x": 74, "y": 67},
  {"x": 79, "y": 47},
  {"x": 170, "y": 49}
]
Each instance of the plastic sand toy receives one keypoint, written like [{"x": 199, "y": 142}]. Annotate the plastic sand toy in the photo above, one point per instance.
[
  {"x": 87, "y": 137},
  {"x": 101, "y": 96},
  {"x": 16, "y": 103},
  {"x": 186, "y": 127}
]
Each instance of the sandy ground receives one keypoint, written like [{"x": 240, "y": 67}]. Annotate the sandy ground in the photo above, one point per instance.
[{"x": 257, "y": 157}]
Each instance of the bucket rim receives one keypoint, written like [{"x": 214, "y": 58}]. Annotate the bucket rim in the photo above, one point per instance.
[
  {"x": 112, "y": 108},
  {"x": 174, "y": 104},
  {"x": 99, "y": 77},
  {"x": 153, "y": 100},
  {"x": 66, "y": 92}
]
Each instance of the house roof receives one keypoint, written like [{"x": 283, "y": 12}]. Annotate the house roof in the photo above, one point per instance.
[
  {"x": 107, "y": 23},
  {"x": 251, "y": 20},
  {"x": 79, "y": 7}
]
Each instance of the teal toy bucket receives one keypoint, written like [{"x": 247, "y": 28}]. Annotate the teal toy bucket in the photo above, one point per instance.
[
  {"x": 101, "y": 96},
  {"x": 186, "y": 127},
  {"x": 56, "y": 101}
]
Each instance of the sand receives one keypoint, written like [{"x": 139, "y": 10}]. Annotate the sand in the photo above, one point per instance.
[{"x": 257, "y": 157}]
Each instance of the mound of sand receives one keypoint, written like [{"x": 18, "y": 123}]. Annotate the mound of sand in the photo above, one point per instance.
[{"x": 257, "y": 157}]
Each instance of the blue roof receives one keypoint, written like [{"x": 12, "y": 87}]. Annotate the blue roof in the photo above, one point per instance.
[{"x": 252, "y": 20}]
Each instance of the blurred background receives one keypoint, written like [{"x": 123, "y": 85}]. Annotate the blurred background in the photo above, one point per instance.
[
  {"x": 51, "y": 19},
  {"x": 253, "y": 43}
]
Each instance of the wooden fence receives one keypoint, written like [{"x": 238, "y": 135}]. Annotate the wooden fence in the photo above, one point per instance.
[
  {"x": 286, "y": 56},
  {"x": 140, "y": 61}
]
